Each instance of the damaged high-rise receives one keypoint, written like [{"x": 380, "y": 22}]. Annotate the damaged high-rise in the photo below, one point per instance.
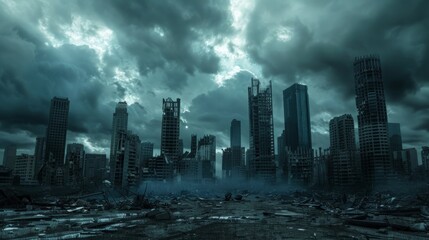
[
  {"x": 343, "y": 150},
  {"x": 170, "y": 131},
  {"x": 119, "y": 124},
  {"x": 261, "y": 135},
  {"x": 74, "y": 163},
  {"x": 297, "y": 135},
  {"x": 53, "y": 168},
  {"x": 206, "y": 155},
  {"x": 126, "y": 160},
  {"x": 372, "y": 120}
]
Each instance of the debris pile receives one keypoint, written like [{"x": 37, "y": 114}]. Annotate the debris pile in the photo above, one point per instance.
[{"x": 302, "y": 214}]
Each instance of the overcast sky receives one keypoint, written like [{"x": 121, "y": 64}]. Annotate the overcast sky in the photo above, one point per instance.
[{"x": 99, "y": 52}]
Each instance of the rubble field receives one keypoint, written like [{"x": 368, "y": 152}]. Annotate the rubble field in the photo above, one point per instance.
[{"x": 238, "y": 214}]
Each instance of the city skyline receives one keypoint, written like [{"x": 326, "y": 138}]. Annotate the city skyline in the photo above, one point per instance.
[{"x": 63, "y": 58}]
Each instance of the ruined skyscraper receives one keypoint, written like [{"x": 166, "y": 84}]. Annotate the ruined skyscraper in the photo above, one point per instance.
[
  {"x": 372, "y": 120},
  {"x": 297, "y": 117},
  {"x": 126, "y": 160},
  {"x": 343, "y": 150},
  {"x": 170, "y": 131},
  {"x": 261, "y": 134},
  {"x": 57, "y": 131},
  {"x": 52, "y": 172},
  {"x": 207, "y": 156},
  {"x": 74, "y": 163},
  {"x": 297, "y": 137},
  {"x": 120, "y": 123}
]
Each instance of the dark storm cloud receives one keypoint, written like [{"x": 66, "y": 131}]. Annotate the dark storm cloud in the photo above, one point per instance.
[
  {"x": 167, "y": 35},
  {"x": 31, "y": 73},
  {"x": 172, "y": 45},
  {"x": 218, "y": 107},
  {"x": 327, "y": 35},
  {"x": 315, "y": 42},
  {"x": 167, "y": 40}
]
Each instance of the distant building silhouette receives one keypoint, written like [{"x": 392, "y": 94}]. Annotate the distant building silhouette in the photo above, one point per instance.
[
  {"x": 74, "y": 163},
  {"x": 52, "y": 172},
  {"x": 372, "y": 120},
  {"x": 233, "y": 163},
  {"x": 159, "y": 168},
  {"x": 343, "y": 150},
  {"x": 297, "y": 117},
  {"x": 119, "y": 123},
  {"x": 207, "y": 156},
  {"x": 9, "y": 157},
  {"x": 262, "y": 165},
  {"x": 170, "y": 131},
  {"x": 300, "y": 166},
  {"x": 233, "y": 157},
  {"x": 57, "y": 130},
  {"x": 405, "y": 161}
]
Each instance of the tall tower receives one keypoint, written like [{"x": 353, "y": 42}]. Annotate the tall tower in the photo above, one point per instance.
[
  {"x": 126, "y": 160},
  {"x": 262, "y": 165},
  {"x": 372, "y": 119},
  {"x": 56, "y": 132},
  {"x": 119, "y": 125},
  {"x": 343, "y": 150},
  {"x": 170, "y": 131},
  {"x": 297, "y": 117},
  {"x": 235, "y": 133}
]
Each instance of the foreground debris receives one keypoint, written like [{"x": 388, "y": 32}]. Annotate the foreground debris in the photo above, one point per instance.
[{"x": 197, "y": 215}]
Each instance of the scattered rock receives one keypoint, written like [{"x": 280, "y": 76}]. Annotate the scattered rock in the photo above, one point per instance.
[{"x": 228, "y": 196}]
